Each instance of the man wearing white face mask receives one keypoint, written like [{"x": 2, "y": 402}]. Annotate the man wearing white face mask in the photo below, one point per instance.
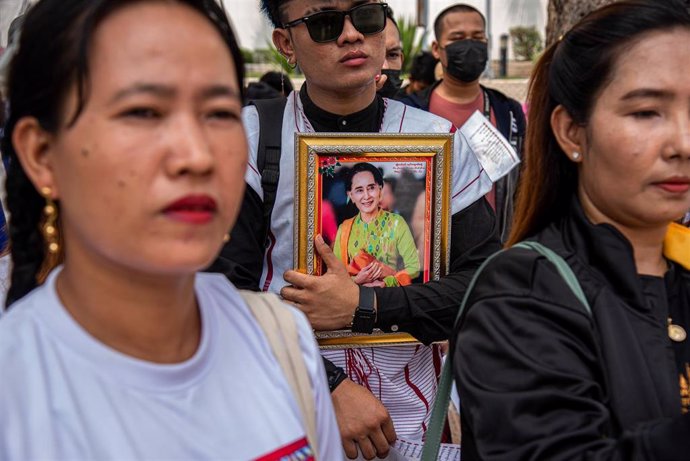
[{"x": 462, "y": 47}]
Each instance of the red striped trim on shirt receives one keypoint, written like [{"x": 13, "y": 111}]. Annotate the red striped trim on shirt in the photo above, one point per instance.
[
  {"x": 294, "y": 108},
  {"x": 438, "y": 359},
  {"x": 470, "y": 183},
  {"x": 269, "y": 260},
  {"x": 409, "y": 412},
  {"x": 418, "y": 392},
  {"x": 296, "y": 451},
  {"x": 402, "y": 119},
  {"x": 254, "y": 169}
]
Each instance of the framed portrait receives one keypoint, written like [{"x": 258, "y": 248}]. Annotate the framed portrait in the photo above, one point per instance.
[{"x": 381, "y": 201}]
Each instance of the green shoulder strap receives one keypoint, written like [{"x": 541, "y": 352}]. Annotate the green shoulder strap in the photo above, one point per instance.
[{"x": 432, "y": 441}]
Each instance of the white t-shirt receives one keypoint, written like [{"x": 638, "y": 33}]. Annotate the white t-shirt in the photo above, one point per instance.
[
  {"x": 65, "y": 395},
  {"x": 404, "y": 378}
]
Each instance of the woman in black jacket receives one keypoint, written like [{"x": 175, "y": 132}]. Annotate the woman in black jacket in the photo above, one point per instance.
[{"x": 607, "y": 171}]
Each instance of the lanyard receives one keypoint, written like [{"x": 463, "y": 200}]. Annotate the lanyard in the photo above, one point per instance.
[{"x": 487, "y": 105}]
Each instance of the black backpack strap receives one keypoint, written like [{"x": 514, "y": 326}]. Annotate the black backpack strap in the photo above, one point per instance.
[{"x": 268, "y": 152}]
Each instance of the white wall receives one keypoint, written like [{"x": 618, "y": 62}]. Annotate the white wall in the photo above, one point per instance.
[{"x": 254, "y": 30}]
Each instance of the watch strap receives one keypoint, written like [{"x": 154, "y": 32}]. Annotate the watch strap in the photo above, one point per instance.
[{"x": 365, "y": 314}]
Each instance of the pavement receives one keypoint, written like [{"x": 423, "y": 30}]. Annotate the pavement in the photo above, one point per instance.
[{"x": 516, "y": 88}]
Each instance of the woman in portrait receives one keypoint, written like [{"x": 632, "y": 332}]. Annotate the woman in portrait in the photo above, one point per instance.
[
  {"x": 376, "y": 245},
  {"x": 541, "y": 373},
  {"x": 127, "y": 155}
]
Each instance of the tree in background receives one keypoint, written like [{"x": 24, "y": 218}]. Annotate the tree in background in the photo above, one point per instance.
[
  {"x": 526, "y": 42},
  {"x": 563, "y": 14},
  {"x": 411, "y": 41}
]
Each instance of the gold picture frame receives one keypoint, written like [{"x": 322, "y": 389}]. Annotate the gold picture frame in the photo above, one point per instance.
[{"x": 420, "y": 165}]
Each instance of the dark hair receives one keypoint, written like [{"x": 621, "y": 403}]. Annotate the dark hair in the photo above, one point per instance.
[
  {"x": 390, "y": 15},
  {"x": 362, "y": 167},
  {"x": 423, "y": 68},
  {"x": 272, "y": 10},
  {"x": 391, "y": 181},
  {"x": 457, "y": 8},
  {"x": 279, "y": 81},
  {"x": 260, "y": 90},
  {"x": 53, "y": 55},
  {"x": 572, "y": 72}
]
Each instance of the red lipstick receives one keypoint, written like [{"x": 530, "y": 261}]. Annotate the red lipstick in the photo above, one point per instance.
[
  {"x": 192, "y": 209},
  {"x": 674, "y": 184}
]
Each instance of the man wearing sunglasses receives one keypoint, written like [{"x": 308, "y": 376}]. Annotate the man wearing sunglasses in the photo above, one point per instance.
[{"x": 339, "y": 45}]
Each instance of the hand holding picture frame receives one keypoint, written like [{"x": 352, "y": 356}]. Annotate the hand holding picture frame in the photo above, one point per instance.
[{"x": 382, "y": 202}]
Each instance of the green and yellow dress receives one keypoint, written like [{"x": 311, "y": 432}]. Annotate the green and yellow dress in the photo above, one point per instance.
[{"x": 387, "y": 238}]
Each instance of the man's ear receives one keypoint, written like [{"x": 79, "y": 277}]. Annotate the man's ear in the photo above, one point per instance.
[
  {"x": 33, "y": 146},
  {"x": 436, "y": 50},
  {"x": 283, "y": 43},
  {"x": 570, "y": 135}
]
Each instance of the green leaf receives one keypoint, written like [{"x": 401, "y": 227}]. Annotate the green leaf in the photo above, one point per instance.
[
  {"x": 411, "y": 41},
  {"x": 279, "y": 59}
]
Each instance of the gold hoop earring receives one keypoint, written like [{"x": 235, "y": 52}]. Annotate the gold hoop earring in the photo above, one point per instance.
[{"x": 48, "y": 228}]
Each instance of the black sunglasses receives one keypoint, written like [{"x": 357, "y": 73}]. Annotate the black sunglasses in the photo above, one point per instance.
[{"x": 327, "y": 26}]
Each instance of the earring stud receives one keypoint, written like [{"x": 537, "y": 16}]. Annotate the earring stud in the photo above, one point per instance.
[{"x": 576, "y": 156}]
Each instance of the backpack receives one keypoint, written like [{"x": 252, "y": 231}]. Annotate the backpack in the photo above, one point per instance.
[{"x": 268, "y": 152}]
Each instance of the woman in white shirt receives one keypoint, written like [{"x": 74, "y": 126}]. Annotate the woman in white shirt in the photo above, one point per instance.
[{"x": 127, "y": 157}]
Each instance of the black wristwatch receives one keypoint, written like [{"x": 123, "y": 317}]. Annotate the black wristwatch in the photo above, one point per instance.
[{"x": 365, "y": 314}]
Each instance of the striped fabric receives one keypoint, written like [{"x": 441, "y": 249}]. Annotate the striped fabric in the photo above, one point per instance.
[{"x": 404, "y": 378}]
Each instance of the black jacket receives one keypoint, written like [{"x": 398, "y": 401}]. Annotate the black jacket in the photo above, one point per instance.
[
  {"x": 539, "y": 378},
  {"x": 510, "y": 121}
]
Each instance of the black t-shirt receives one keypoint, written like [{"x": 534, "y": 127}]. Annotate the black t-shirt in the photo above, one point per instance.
[{"x": 664, "y": 299}]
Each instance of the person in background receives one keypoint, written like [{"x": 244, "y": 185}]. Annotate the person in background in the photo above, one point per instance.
[
  {"x": 540, "y": 375},
  {"x": 461, "y": 45},
  {"x": 260, "y": 90},
  {"x": 125, "y": 176},
  {"x": 422, "y": 73},
  {"x": 271, "y": 85},
  {"x": 279, "y": 81},
  {"x": 393, "y": 63},
  {"x": 388, "y": 194}
]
